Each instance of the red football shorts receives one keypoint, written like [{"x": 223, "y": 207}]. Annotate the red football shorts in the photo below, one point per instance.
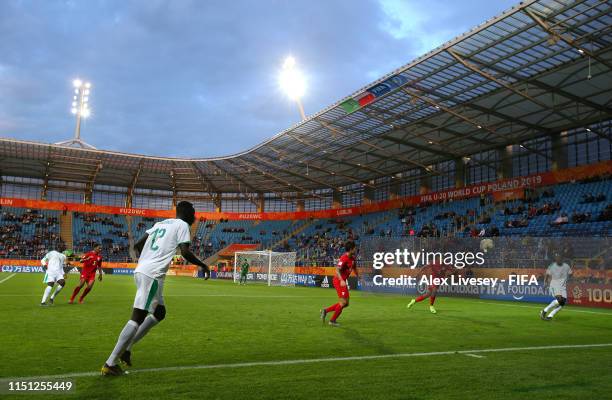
[
  {"x": 88, "y": 277},
  {"x": 343, "y": 291}
]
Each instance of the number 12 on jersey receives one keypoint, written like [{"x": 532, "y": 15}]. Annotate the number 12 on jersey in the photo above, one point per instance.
[{"x": 157, "y": 234}]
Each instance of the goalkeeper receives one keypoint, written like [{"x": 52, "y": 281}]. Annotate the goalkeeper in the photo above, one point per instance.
[{"x": 244, "y": 270}]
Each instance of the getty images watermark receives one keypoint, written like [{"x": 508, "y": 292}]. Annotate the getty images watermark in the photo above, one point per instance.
[{"x": 440, "y": 265}]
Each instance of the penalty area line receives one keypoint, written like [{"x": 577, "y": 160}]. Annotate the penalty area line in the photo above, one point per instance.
[
  {"x": 7, "y": 278},
  {"x": 471, "y": 353}
]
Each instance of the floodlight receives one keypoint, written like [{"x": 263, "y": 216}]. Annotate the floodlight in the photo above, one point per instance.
[{"x": 292, "y": 80}]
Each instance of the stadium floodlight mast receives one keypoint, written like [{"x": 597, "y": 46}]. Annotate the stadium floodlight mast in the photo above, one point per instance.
[
  {"x": 293, "y": 83},
  {"x": 80, "y": 108}
]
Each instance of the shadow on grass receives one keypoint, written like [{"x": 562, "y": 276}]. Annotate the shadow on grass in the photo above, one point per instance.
[{"x": 364, "y": 342}]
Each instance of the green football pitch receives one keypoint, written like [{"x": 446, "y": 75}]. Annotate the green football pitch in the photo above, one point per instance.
[{"x": 222, "y": 341}]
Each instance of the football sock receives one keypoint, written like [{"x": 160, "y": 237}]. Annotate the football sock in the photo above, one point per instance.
[
  {"x": 58, "y": 289},
  {"x": 556, "y": 310},
  {"x": 552, "y": 305},
  {"x": 87, "y": 290},
  {"x": 337, "y": 312},
  {"x": 331, "y": 308},
  {"x": 125, "y": 337},
  {"x": 75, "y": 292},
  {"x": 432, "y": 300},
  {"x": 143, "y": 329},
  {"x": 46, "y": 294},
  {"x": 421, "y": 298}
]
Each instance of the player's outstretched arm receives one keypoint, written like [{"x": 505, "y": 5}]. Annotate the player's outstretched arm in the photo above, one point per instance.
[
  {"x": 339, "y": 275},
  {"x": 570, "y": 274},
  {"x": 547, "y": 279},
  {"x": 100, "y": 272},
  {"x": 193, "y": 259},
  {"x": 139, "y": 245}
]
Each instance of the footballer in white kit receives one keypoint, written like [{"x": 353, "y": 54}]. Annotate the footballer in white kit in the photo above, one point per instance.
[
  {"x": 156, "y": 249},
  {"x": 54, "y": 262},
  {"x": 557, "y": 275},
  {"x": 163, "y": 239}
]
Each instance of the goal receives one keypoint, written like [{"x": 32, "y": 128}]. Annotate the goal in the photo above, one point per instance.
[{"x": 273, "y": 268}]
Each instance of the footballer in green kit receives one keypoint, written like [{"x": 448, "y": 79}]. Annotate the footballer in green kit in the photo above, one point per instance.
[{"x": 244, "y": 270}]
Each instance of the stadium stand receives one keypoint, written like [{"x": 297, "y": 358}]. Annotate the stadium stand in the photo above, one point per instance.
[
  {"x": 141, "y": 224},
  {"x": 28, "y": 233},
  {"x": 575, "y": 209},
  {"x": 108, "y": 230},
  {"x": 321, "y": 243}
]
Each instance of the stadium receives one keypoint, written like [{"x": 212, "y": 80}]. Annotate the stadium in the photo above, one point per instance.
[{"x": 491, "y": 153}]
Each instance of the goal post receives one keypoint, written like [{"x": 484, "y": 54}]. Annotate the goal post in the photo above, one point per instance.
[{"x": 265, "y": 266}]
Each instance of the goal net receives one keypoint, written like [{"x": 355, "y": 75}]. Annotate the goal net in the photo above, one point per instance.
[{"x": 270, "y": 267}]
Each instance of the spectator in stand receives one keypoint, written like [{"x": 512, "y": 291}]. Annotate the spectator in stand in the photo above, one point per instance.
[
  {"x": 473, "y": 232},
  {"x": 548, "y": 193},
  {"x": 15, "y": 243},
  {"x": 533, "y": 211},
  {"x": 606, "y": 214},
  {"x": 560, "y": 220},
  {"x": 485, "y": 219},
  {"x": 588, "y": 198},
  {"x": 579, "y": 217}
]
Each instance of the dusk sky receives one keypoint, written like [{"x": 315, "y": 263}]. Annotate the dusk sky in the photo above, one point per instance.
[{"x": 199, "y": 78}]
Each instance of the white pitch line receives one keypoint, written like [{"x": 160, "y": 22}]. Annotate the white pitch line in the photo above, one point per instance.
[
  {"x": 316, "y": 360},
  {"x": 7, "y": 278},
  {"x": 474, "y": 355},
  {"x": 565, "y": 309}
]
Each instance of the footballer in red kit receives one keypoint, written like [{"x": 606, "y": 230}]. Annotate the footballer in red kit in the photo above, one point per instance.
[
  {"x": 346, "y": 265},
  {"x": 92, "y": 262},
  {"x": 435, "y": 270}
]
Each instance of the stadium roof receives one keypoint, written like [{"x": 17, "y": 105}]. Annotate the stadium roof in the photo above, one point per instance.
[{"x": 541, "y": 67}]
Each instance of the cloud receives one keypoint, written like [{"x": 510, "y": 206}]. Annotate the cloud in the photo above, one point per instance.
[
  {"x": 419, "y": 24},
  {"x": 199, "y": 78}
]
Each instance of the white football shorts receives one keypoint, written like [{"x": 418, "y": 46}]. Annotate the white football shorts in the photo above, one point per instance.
[
  {"x": 149, "y": 292},
  {"x": 557, "y": 290},
  {"x": 54, "y": 275}
]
